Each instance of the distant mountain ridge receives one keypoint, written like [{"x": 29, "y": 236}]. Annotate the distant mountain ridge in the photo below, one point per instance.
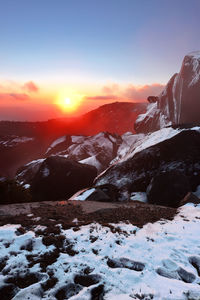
[
  {"x": 179, "y": 103},
  {"x": 21, "y": 142}
]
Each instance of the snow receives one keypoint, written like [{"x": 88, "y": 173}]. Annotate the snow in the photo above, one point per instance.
[
  {"x": 151, "y": 109},
  {"x": 62, "y": 139},
  {"x": 139, "y": 196},
  {"x": 163, "y": 246},
  {"x": 93, "y": 161},
  {"x": 81, "y": 196},
  {"x": 151, "y": 139},
  {"x": 77, "y": 139},
  {"x": 36, "y": 161},
  {"x": 14, "y": 140},
  {"x": 45, "y": 172}
]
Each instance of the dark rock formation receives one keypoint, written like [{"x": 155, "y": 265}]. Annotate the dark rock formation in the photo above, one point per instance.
[
  {"x": 168, "y": 189},
  {"x": 59, "y": 178},
  {"x": 180, "y": 153},
  {"x": 104, "y": 193},
  {"x": 179, "y": 103},
  {"x": 152, "y": 99}
]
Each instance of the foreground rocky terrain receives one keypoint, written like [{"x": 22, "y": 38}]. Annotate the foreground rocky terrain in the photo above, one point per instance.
[{"x": 63, "y": 251}]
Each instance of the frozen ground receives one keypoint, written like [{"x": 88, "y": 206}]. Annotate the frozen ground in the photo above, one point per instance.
[{"x": 121, "y": 261}]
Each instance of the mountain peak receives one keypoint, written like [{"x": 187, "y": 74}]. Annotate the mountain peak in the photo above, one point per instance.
[{"x": 179, "y": 102}]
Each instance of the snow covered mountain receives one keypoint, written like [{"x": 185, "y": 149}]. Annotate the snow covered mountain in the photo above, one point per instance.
[{"x": 179, "y": 103}]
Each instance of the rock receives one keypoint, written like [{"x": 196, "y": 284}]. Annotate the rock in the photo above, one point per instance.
[
  {"x": 87, "y": 280},
  {"x": 59, "y": 178},
  {"x": 179, "y": 103},
  {"x": 26, "y": 173},
  {"x": 126, "y": 263},
  {"x": 104, "y": 193},
  {"x": 134, "y": 173},
  {"x": 168, "y": 189},
  {"x": 98, "y": 292},
  {"x": 98, "y": 195},
  {"x": 186, "y": 276},
  {"x": 190, "y": 198},
  {"x": 179, "y": 274},
  {"x": 195, "y": 261},
  {"x": 152, "y": 99},
  {"x": 68, "y": 291}
]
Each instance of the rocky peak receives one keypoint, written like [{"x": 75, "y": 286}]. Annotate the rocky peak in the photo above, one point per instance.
[{"x": 178, "y": 103}]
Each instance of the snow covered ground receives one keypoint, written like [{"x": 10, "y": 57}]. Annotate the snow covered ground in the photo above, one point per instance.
[{"x": 158, "y": 261}]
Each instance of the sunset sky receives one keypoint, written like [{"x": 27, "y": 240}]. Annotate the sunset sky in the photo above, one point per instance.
[{"x": 65, "y": 57}]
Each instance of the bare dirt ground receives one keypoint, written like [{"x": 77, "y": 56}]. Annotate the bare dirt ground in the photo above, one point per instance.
[{"x": 76, "y": 213}]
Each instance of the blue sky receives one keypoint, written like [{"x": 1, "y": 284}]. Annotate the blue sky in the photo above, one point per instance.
[
  {"x": 134, "y": 41},
  {"x": 95, "y": 43}
]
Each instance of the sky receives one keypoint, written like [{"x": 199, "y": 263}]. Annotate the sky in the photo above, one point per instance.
[{"x": 65, "y": 57}]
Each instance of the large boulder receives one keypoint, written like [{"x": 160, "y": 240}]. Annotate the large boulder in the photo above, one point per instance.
[
  {"x": 133, "y": 174},
  {"x": 59, "y": 178},
  {"x": 168, "y": 189},
  {"x": 179, "y": 103}
]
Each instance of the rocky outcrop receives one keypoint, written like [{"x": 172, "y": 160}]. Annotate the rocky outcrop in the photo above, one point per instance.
[
  {"x": 179, "y": 103},
  {"x": 59, "y": 178},
  {"x": 99, "y": 151},
  {"x": 133, "y": 174},
  {"x": 168, "y": 188}
]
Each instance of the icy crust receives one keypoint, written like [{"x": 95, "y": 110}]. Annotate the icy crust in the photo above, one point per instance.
[{"x": 159, "y": 261}]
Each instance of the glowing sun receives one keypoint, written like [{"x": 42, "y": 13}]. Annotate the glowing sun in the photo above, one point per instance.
[
  {"x": 67, "y": 101},
  {"x": 70, "y": 103}
]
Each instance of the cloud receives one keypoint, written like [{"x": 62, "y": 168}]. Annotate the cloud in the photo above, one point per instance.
[
  {"x": 132, "y": 92},
  {"x": 15, "y": 96},
  {"x": 141, "y": 93},
  {"x": 102, "y": 97},
  {"x": 30, "y": 87}
]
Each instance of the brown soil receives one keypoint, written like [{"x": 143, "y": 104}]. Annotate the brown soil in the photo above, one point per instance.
[{"x": 66, "y": 212}]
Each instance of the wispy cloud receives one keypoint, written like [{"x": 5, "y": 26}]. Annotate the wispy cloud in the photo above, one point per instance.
[
  {"x": 30, "y": 87},
  {"x": 13, "y": 96}
]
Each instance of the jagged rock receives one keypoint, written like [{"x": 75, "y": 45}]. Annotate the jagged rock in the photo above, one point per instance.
[
  {"x": 59, "y": 178},
  {"x": 179, "y": 103},
  {"x": 152, "y": 99},
  {"x": 168, "y": 189},
  {"x": 181, "y": 153}
]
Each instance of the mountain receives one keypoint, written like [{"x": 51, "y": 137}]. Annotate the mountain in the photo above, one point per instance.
[
  {"x": 21, "y": 142},
  {"x": 179, "y": 103}
]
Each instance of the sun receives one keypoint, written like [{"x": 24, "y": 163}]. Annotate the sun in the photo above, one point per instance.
[{"x": 68, "y": 101}]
